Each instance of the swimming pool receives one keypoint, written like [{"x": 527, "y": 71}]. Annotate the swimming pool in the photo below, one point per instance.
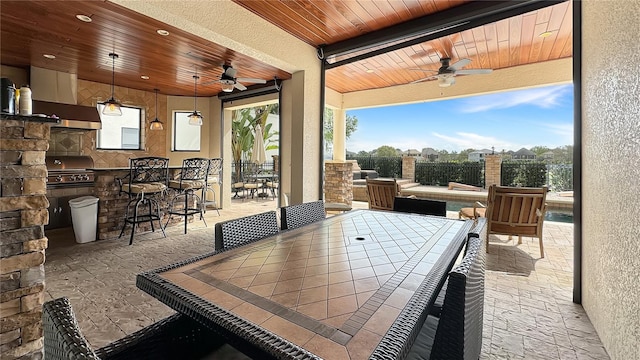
[{"x": 559, "y": 216}]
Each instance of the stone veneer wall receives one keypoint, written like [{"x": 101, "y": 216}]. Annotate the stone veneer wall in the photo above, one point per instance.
[
  {"x": 23, "y": 214},
  {"x": 409, "y": 168},
  {"x": 492, "y": 170},
  {"x": 154, "y": 142},
  {"x": 338, "y": 182}
]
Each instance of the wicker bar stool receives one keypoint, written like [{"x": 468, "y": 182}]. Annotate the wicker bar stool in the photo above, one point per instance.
[
  {"x": 147, "y": 179},
  {"x": 192, "y": 179}
]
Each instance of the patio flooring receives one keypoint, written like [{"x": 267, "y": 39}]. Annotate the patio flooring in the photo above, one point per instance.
[{"x": 528, "y": 309}]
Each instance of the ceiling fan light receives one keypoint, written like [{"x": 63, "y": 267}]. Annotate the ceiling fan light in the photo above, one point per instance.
[
  {"x": 227, "y": 87},
  {"x": 112, "y": 108},
  {"x": 446, "y": 81},
  {"x": 195, "y": 118}
]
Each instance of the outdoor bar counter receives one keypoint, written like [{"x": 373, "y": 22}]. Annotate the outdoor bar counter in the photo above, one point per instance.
[{"x": 112, "y": 204}]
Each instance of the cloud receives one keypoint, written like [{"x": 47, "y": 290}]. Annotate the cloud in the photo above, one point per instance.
[
  {"x": 547, "y": 97},
  {"x": 462, "y": 141},
  {"x": 565, "y": 131}
]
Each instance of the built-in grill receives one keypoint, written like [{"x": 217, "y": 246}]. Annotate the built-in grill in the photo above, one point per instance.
[{"x": 69, "y": 171}]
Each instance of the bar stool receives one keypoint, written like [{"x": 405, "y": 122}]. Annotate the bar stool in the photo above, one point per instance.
[
  {"x": 213, "y": 178},
  {"x": 146, "y": 180},
  {"x": 192, "y": 178}
]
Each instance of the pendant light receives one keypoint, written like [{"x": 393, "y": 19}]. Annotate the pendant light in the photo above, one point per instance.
[
  {"x": 195, "y": 118},
  {"x": 156, "y": 124},
  {"x": 112, "y": 106}
]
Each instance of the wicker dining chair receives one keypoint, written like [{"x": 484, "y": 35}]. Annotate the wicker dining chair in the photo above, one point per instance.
[
  {"x": 175, "y": 337},
  {"x": 295, "y": 216},
  {"x": 241, "y": 231}
]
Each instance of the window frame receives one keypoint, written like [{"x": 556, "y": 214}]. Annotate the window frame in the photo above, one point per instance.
[
  {"x": 174, "y": 127},
  {"x": 142, "y": 114}
]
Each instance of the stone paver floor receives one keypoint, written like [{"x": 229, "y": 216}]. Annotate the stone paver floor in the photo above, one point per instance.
[{"x": 528, "y": 309}]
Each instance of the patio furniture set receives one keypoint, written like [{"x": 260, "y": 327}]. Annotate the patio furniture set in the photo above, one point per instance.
[{"x": 365, "y": 284}]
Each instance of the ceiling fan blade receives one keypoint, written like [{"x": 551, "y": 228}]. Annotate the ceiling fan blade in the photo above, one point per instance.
[
  {"x": 240, "y": 86},
  {"x": 459, "y": 64},
  {"x": 252, "y": 80},
  {"x": 473, "y": 71},
  {"x": 231, "y": 72},
  {"x": 423, "y": 79}
]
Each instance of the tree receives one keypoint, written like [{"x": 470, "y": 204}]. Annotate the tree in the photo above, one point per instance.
[
  {"x": 539, "y": 150},
  {"x": 385, "y": 150},
  {"x": 350, "y": 127},
  {"x": 363, "y": 153}
]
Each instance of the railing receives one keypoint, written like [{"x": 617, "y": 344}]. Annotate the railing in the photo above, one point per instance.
[
  {"x": 441, "y": 173},
  {"x": 385, "y": 166},
  {"x": 267, "y": 166}
]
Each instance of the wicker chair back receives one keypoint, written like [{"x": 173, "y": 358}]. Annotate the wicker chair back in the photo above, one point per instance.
[
  {"x": 241, "y": 231},
  {"x": 295, "y": 216}
]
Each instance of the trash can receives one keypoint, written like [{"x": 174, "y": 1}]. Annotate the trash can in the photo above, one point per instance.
[{"x": 84, "y": 216}]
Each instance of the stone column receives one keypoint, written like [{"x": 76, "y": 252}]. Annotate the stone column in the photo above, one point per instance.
[
  {"x": 492, "y": 169},
  {"x": 23, "y": 214},
  {"x": 338, "y": 182},
  {"x": 409, "y": 168},
  {"x": 339, "y": 135}
]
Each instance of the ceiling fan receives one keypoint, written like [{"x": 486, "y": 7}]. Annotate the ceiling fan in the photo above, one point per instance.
[
  {"x": 229, "y": 81},
  {"x": 447, "y": 72}
]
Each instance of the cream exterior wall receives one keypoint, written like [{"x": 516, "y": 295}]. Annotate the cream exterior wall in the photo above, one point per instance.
[
  {"x": 611, "y": 173},
  {"x": 184, "y": 103}
]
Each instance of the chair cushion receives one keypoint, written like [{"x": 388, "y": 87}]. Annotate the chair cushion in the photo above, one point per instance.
[
  {"x": 272, "y": 184},
  {"x": 212, "y": 180},
  {"x": 186, "y": 184},
  {"x": 421, "y": 348},
  {"x": 468, "y": 212},
  {"x": 252, "y": 186},
  {"x": 148, "y": 188}
]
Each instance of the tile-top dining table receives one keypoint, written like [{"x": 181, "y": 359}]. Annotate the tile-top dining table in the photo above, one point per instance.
[{"x": 352, "y": 286}]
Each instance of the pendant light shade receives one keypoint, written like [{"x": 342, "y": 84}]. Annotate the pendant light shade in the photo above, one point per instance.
[
  {"x": 156, "y": 124},
  {"x": 195, "y": 118},
  {"x": 112, "y": 106}
]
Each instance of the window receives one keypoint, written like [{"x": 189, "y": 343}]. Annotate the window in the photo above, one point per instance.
[
  {"x": 120, "y": 132},
  {"x": 185, "y": 137}
]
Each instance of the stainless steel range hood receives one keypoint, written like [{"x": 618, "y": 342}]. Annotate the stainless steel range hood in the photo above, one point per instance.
[{"x": 55, "y": 93}]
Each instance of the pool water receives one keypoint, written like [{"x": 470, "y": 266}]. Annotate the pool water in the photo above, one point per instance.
[{"x": 566, "y": 217}]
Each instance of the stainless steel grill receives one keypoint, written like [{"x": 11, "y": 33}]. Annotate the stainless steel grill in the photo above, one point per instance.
[{"x": 69, "y": 171}]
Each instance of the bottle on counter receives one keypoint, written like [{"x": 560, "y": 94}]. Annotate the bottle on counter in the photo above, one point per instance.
[
  {"x": 7, "y": 98},
  {"x": 25, "y": 100}
]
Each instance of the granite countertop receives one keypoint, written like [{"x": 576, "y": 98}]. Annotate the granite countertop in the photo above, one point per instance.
[{"x": 34, "y": 118}]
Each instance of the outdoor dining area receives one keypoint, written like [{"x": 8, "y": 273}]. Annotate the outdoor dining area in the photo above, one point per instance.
[{"x": 296, "y": 283}]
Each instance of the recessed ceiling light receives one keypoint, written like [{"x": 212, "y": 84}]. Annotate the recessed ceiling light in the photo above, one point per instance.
[
  {"x": 369, "y": 71},
  {"x": 162, "y": 32},
  {"x": 49, "y": 56},
  {"x": 144, "y": 77},
  {"x": 84, "y": 18},
  {"x": 545, "y": 34}
]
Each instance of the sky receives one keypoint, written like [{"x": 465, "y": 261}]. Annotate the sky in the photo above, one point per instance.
[{"x": 508, "y": 120}]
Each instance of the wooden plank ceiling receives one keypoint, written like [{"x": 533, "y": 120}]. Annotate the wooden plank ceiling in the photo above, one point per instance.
[
  {"x": 506, "y": 43},
  {"x": 30, "y": 29}
]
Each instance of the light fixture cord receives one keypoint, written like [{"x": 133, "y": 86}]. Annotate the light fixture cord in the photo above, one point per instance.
[
  {"x": 195, "y": 90},
  {"x": 156, "y": 103},
  {"x": 113, "y": 74}
]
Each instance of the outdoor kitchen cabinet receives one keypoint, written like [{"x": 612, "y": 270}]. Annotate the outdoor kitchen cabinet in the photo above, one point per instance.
[{"x": 59, "y": 212}]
